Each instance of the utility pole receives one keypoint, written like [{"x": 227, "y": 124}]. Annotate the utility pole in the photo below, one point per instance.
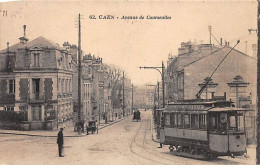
[
  {"x": 258, "y": 87},
  {"x": 162, "y": 75},
  {"x": 132, "y": 99},
  {"x": 123, "y": 93},
  {"x": 163, "y": 84},
  {"x": 80, "y": 120},
  {"x": 158, "y": 93},
  {"x": 210, "y": 29}
]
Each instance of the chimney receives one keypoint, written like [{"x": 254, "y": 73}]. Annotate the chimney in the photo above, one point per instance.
[
  {"x": 7, "y": 47},
  {"x": 67, "y": 45},
  {"x": 221, "y": 41},
  {"x": 24, "y": 30},
  {"x": 23, "y": 39}
]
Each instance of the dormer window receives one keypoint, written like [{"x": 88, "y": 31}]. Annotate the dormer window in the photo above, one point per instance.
[{"x": 36, "y": 57}]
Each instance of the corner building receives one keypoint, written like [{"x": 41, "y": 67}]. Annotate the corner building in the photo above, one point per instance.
[{"x": 41, "y": 80}]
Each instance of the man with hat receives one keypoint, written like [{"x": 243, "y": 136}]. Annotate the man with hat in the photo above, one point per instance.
[{"x": 60, "y": 142}]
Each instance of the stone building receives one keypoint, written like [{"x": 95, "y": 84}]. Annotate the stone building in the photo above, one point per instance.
[
  {"x": 187, "y": 53},
  {"x": 236, "y": 63},
  {"x": 36, "y": 77}
]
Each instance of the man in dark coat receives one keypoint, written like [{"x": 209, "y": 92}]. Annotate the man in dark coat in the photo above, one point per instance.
[{"x": 60, "y": 142}]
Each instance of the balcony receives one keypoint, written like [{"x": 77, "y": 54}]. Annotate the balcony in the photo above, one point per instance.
[{"x": 36, "y": 98}]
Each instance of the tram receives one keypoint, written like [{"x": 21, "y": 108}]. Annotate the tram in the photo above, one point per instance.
[{"x": 203, "y": 129}]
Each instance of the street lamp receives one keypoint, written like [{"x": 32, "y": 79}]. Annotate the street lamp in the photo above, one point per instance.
[{"x": 161, "y": 71}]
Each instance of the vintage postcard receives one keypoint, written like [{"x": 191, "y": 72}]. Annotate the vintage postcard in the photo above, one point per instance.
[{"x": 162, "y": 82}]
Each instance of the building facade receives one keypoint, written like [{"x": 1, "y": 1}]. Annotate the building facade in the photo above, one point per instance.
[{"x": 38, "y": 80}]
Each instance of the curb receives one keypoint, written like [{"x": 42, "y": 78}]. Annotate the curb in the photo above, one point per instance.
[
  {"x": 37, "y": 135},
  {"x": 113, "y": 122},
  {"x": 157, "y": 141}
]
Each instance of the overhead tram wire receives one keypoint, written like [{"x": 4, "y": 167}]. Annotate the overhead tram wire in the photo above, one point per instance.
[
  {"x": 215, "y": 38},
  {"x": 205, "y": 85},
  {"x": 241, "y": 37}
]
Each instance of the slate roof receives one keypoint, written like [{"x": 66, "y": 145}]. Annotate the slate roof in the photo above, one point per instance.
[{"x": 39, "y": 42}]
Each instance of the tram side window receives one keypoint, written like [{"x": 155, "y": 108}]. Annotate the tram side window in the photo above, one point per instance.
[
  {"x": 179, "y": 120},
  {"x": 194, "y": 121},
  {"x": 212, "y": 122},
  {"x": 161, "y": 119},
  {"x": 186, "y": 122},
  {"x": 167, "y": 120},
  {"x": 232, "y": 123},
  {"x": 173, "y": 123},
  {"x": 202, "y": 121}
]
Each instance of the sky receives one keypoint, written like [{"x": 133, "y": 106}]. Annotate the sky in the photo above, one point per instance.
[{"x": 130, "y": 44}]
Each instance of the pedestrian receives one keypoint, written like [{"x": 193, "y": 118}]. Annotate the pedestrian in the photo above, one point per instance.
[{"x": 60, "y": 142}]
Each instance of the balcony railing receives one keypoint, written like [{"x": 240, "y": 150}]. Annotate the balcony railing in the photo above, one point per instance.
[{"x": 36, "y": 98}]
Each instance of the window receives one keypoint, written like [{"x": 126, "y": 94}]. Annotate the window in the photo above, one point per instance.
[
  {"x": 167, "y": 119},
  {"x": 202, "y": 121},
  {"x": 212, "y": 122},
  {"x": 180, "y": 82},
  {"x": 194, "y": 121},
  {"x": 186, "y": 121},
  {"x": 36, "y": 59},
  {"x": 173, "y": 122},
  {"x": 66, "y": 84},
  {"x": 179, "y": 120},
  {"x": 11, "y": 86},
  {"x": 232, "y": 122},
  {"x": 61, "y": 86},
  {"x": 36, "y": 88},
  {"x": 9, "y": 108}
]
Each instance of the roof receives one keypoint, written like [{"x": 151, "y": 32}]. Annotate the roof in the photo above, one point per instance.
[
  {"x": 206, "y": 110},
  {"x": 161, "y": 109},
  {"x": 221, "y": 49},
  {"x": 227, "y": 109},
  {"x": 42, "y": 42},
  {"x": 193, "y": 101},
  {"x": 189, "y": 111},
  {"x": 39, "y": 42},
  {"x": 12, "y": 48}
]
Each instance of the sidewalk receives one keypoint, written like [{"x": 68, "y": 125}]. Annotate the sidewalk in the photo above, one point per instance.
[{"x": 68, "y": 131}]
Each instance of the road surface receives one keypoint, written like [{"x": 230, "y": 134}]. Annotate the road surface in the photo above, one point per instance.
[{"x": 123, "y": 143}]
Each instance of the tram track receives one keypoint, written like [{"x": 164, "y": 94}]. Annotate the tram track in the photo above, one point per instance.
[
  {"x": 134, "y": 142},
  {"x": 152, "y": 152}
]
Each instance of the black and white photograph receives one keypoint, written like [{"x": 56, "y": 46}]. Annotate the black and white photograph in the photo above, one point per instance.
[{"x": 109, "y": 82}]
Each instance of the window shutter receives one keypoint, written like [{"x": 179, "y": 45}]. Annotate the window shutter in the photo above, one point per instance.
[{"x": 41, "y": 59}]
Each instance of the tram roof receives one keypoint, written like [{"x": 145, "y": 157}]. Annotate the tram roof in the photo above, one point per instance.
[
  {"x": 195, "y": 102},
  {"x": 206, "y": 110},
  {"x": 226, "y": 109},
  {"x": 161, "y": 109}
]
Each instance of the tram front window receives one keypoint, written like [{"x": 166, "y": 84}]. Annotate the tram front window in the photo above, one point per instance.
[
  {"x": 236, "y": 122},
  {"x": 223, "y": 125}
]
